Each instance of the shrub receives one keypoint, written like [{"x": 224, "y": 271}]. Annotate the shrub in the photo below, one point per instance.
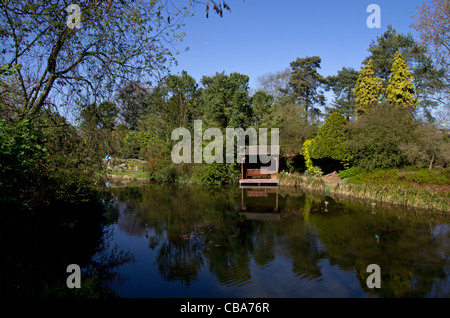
[
  {"x": 375, "y": 138},
  {"x": 330, "y": 140},
  {"x": 23, "y": 161},
  {"x": 216, "y": 174},
  {"x": 351, "y": 172},
  {"x": 136, "y": 143}
]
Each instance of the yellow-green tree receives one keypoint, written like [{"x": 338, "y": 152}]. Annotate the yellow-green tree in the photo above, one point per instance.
[
  {"x": 400, "y": 90},
  {"x": 367, "y": 90},
  {"x": 305, "y": 152}
]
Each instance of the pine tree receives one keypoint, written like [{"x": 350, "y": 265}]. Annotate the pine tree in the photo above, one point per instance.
[
  {"x": 400, "y": 90},
  {"x": 305, "y": 84},
  {"x": 343, "y": 85},
  {"x": 367, "y": 90}
]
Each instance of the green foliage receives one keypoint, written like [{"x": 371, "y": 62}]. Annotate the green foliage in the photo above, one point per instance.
[
  {"x": 316, "y": 172},
  {"x": 23, "y": 157},
  {"x": 9, "y": 70},
  {"x": 405, "y": 176},
  {"x": 426, "y": 176},
  {"x": 102, "y": 116},
  {"x": 216, "y": 174},
  {"x": 351, "y": 172},
  {"x": 305, "y": 84},
  {"x": 429, "y": 147},
  {"x": 331, "y": 139},
  {"x": 137, "y": 143},
  {"x": 367, "y": 90},
  {"x": 166, "y": 172},
  {"x": 375, "y": 138},
  {"x": 44, "y": 161},
  {"x": 227, "y": 101},
  {"x": 262, "y": 106},
  {"x": 427, "y": 78},
  {"x": 343, "y": 85},
  {"x": 306, "y": 154},
  {"x": 400, "y": 89},
  {"x": 175, "y": 102},
  {"x": 75, "y": 159},
  {"x": 295, "y": 128},
  {"x": 134, "y": 100}
]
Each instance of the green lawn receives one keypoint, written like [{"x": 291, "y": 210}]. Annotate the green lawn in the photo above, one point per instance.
[{"x": 129, "y": 173}]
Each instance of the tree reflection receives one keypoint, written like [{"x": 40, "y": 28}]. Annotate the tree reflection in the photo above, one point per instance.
[
  {"x": 196, "y": 228},
  {"x": 179, "y": 263},
  {"x": 39, "y": 248}
]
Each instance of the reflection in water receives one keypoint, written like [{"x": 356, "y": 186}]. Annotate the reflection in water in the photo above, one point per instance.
[
  {"x": 231, "y": 242},
  {"x": 39, "y": 245},
  {"x": 259, "y": 203}
]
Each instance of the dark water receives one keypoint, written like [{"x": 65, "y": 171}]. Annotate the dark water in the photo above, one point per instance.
[{"x": 196, "y": 241}]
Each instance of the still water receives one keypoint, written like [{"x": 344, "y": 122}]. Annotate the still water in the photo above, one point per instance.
[{"x": 197, "y": 241}]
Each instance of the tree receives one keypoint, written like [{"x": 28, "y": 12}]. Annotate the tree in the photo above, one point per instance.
[
  {"x": 305, "y": 84},
  {"x": 367, "y": 90},
  {"x": 375, "y": 138},
  {"x": 177, "y": 100},
  {"x": 274, "y": 83},
  {"x": 428, "y": 79},
  {"x": 295, "y": 128},
  {"x": 108, "y": 113},
  {"x": 218, "y": 7},
  {"x": 23, "y": 158},
  {"x": 9, "y": 86},
  {"x": 306, "y": 154},
  {"x": 343, "y": 85},
  {"x": 133, "y": 99},
  {"x": 428, "y": 147},
  {"x": 432, "y": 22},
  {"x": 262, "y": 108},
  {"x": 226, "y": 100},
  {"x": 99, "y": 117},
  {"x": 174, "y": 102},
  {"x": 400, "y": 90},
  {"x": 97, "y": 125},
  {"x": 331, "y": 139},
  {"x": 117, "y": 41}
]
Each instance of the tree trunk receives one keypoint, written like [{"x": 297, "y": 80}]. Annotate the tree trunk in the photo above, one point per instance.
[{"x": 431, "y": 163}]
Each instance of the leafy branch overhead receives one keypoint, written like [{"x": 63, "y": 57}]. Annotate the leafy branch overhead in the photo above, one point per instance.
[{"x": 119, "y": 42}]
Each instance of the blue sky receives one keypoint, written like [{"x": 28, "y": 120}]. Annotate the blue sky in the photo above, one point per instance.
[{"x": 264, "y": 36}]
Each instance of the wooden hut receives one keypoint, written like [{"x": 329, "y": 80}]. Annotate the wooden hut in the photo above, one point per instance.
[{"x": 259, "y": 173}]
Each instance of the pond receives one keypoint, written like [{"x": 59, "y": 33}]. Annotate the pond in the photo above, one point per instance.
[{"x": 198, "y": 241}]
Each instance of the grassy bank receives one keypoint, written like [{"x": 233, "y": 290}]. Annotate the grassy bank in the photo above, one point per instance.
[
  {"x": 126, "y": 176},
  {"x": 412, "y": 188}
]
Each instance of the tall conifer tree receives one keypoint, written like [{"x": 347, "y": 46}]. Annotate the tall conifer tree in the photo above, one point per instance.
[
  {"x": 400, "y": 90},
  {"x": 367, "y": 89}
]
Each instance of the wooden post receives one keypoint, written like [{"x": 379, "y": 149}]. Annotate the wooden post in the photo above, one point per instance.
[{"x": 276, "y": 205}]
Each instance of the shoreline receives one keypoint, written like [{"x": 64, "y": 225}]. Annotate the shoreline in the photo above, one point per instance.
[
  {"x": 332, "y": 184},
  {"x": 409, "y": 197}
]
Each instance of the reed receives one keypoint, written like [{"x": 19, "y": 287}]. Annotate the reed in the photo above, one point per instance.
[{"x": 392, "y": 194}]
